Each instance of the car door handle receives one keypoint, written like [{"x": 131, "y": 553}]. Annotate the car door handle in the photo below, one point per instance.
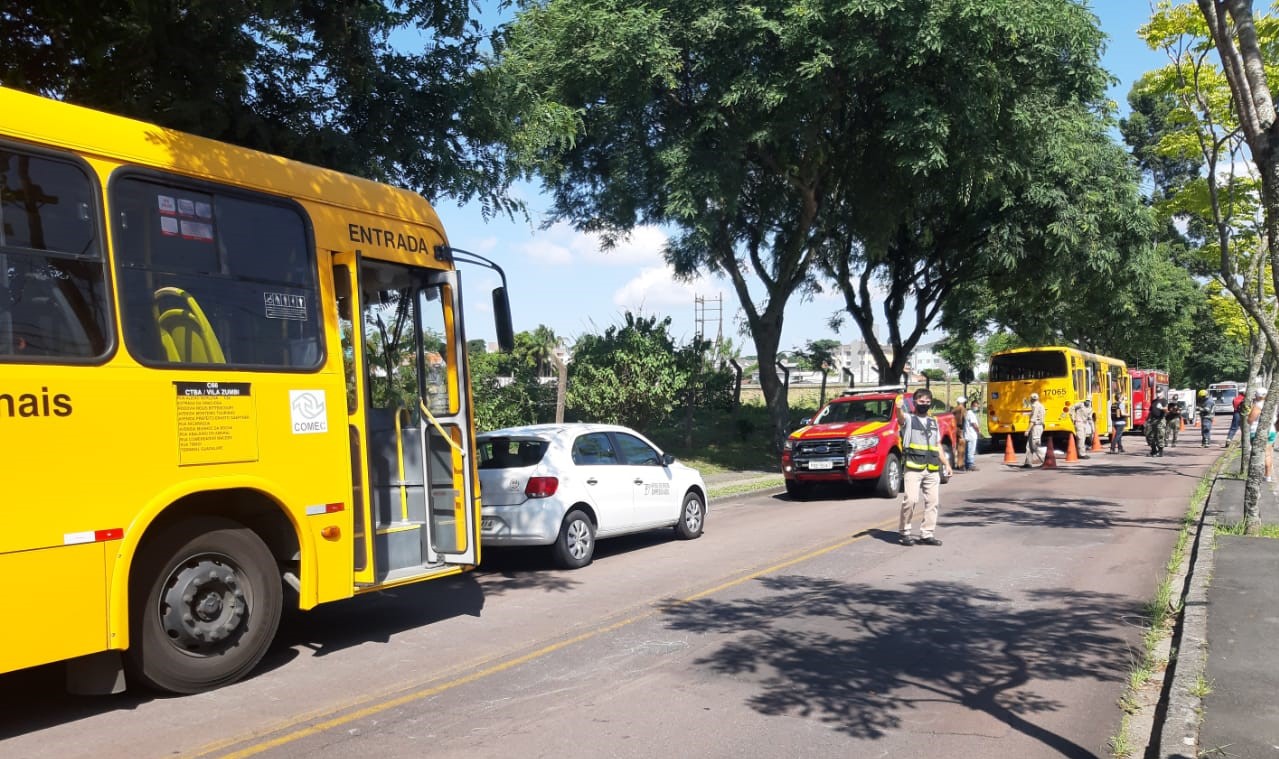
[
  {"x": 639, "y": 481},
  {"x": 592, "y": 481}
]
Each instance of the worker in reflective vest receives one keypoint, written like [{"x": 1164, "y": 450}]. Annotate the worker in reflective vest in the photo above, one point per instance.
[{"x": 921, "y": 445}]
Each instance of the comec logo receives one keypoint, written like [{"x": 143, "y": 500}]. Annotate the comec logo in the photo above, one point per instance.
[
  {"x": 26, "y": 405},
  {"x": 309, "y": 411}
]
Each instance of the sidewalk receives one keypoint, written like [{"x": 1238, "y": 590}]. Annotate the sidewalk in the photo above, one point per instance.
[{"x": 1230, "y": 627}]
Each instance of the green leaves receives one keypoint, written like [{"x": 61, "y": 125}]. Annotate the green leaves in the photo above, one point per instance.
[{"x": 315, "y": 80}]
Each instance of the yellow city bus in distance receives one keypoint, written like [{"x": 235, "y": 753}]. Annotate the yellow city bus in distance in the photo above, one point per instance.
[
  {"x": 221, "y": 372},
  {"x": 1062, "y": 377}
]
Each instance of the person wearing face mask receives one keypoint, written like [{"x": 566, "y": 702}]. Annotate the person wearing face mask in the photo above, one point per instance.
[{"x": 921, "y": 446}]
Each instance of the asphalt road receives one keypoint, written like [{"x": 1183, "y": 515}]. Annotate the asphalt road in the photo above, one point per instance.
[{"x": 799, "y": 629}]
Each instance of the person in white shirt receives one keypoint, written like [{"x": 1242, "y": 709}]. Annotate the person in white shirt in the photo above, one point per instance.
[{"x": 971, "y": 434}]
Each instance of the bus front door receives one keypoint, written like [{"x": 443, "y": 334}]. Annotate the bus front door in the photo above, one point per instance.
[{"x": 407, "y": 403}]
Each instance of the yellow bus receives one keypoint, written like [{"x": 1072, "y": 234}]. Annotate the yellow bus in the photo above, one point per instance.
[
  {"x": 227, "y": 379},
  {"x": 1061, "y": 376}
]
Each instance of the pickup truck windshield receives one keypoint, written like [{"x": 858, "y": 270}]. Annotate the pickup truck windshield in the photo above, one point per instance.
[{"x": 877, "y": 410}]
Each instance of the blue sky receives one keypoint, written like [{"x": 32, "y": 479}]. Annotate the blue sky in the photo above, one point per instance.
[{"x": 561, "y": 278}]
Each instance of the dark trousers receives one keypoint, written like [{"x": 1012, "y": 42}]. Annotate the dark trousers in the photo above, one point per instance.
[{"x": 1205, "y": 424}]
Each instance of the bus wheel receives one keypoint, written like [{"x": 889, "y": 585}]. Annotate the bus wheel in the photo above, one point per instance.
[{"x": 206, "y": 598}]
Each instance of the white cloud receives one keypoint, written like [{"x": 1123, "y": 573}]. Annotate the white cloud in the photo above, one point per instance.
[
  {"x": 656, "y": 289},
  {"x": 546, "y": 251},
  {"x": 561, "y": 245},
  {"x": 642, "y": 246}
]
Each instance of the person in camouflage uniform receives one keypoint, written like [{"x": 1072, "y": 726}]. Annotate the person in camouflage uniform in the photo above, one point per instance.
[
  {"x": 1172, "y": 421},
  {"x": 1157, "y": 426}
]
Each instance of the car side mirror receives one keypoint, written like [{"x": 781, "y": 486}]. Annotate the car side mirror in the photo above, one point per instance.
[
  {"x": 667, "y": 459},
  {"x": 805, "y": 421}
]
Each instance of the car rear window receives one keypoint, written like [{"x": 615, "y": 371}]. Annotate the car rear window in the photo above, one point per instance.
[{"x": 510, "y": 453}]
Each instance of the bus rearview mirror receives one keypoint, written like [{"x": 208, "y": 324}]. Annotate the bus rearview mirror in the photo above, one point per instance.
[{"x": 502, "y": 320}]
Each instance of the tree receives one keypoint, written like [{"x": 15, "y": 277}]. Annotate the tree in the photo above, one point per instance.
[
  {"x": 817, "y": 354},
  {"x": 1228, "y": 117},
  {"x": 317, "y": 81},
  {"x": 629, "y": 375},
  {"x": 934, "y": 375},
  {"x": 987, "y": 179}
]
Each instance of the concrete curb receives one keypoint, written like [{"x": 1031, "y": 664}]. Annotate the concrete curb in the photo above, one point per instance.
[{"x": 1179, "y": 735}]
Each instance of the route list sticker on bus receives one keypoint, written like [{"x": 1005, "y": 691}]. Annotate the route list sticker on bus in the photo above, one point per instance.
[
  {"x": 217, "y": 423},
  {"x": 185, "y": 217}
]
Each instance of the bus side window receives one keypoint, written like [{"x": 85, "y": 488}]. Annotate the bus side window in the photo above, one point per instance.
[
  {"x": 236, "y": 275},
  {"x": 53, "y": 300}
]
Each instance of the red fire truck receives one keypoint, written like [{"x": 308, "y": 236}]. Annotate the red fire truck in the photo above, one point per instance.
[{"x": 1146, "y": 384}]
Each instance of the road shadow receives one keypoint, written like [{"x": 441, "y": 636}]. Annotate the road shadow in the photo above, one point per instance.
[
  {"x": 863, "y": 659},
  {"x": 375, "y": 617},
  {"x": 833, "y": 491},
  {"x": 884, "y": 536},
  {"x": 36, "y": 698},
  {"x": 1067, "y": 513}
]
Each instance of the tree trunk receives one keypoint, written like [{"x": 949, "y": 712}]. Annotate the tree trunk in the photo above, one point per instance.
[
  {"x": 561, "y": 388},
  {"x": 767, "y": 337}
]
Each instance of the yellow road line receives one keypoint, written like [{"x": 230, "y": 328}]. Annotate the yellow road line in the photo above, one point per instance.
[{"x": 423, "y": 693}]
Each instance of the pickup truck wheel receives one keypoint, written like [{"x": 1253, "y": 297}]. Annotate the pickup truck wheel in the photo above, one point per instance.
[
  {"x": 890, "y": 480},
  {"x": 796, "y": 491},
  {"x": 948, "y": 461}
]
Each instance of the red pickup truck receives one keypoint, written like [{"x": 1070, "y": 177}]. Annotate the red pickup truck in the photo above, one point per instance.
[{"x": 857, "y": 437}]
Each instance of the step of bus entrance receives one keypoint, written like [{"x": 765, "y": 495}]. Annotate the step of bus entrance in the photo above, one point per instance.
[{"x": 399, "y": 544}]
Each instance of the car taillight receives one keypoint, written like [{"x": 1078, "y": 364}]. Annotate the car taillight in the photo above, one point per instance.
[{"x": 541, "y": 487}]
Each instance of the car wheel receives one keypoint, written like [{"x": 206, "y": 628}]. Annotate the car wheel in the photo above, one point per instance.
[
  {"x": 575, "y": 546},
  {"x": 890, "y": 480},
  {"x": 692, "y": 517},
  {"x": 796, "y": 491},
  {"x": 948, "y": 461},
  {"x": 206, "y": 598}
]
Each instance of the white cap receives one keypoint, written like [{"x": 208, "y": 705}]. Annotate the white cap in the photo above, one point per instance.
[
  {"x": 963, "y": 399},
  {"x": 1034, "y": 396},
  {"x": 1261, "y": 392}
]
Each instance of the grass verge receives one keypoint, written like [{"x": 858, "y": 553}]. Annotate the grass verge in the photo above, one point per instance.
[
  {"x": 1237, "y": 528},
  {"x": 737, "y": 488},
  {"x": 1160, "y": 618}
]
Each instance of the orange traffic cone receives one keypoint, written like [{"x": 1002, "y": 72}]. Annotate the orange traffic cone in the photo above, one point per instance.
[
  {"x": 1096, "y": 442},
  {"x": 1010, "y": 456},
  {"x": 1071, "y": 453},
  {"x": 1050, "y": 456}
]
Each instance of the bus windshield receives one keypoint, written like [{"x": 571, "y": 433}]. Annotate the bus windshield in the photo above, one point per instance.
[{"x": 1028, "y": 365}]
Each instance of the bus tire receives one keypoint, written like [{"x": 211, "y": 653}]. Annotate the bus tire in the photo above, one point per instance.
[
  {"x": 890, "y": 480},
  {"x": 205, "y": 604}
]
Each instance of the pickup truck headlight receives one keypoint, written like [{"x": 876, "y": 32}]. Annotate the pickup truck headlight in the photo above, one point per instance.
[
  {"x": 788, "y": 445},
  {"x": 859, "y": 443}
]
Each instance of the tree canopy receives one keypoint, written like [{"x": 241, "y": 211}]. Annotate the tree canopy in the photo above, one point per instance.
[
  {"x": 316, "y": 80},
  {"x": 892, "y": 144}
]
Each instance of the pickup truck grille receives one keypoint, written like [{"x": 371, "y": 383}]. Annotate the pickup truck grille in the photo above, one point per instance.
[{"x": 821, "y": 449}]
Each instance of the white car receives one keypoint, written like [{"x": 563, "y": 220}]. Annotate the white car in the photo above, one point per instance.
[{"x": 566, "y": 485}]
